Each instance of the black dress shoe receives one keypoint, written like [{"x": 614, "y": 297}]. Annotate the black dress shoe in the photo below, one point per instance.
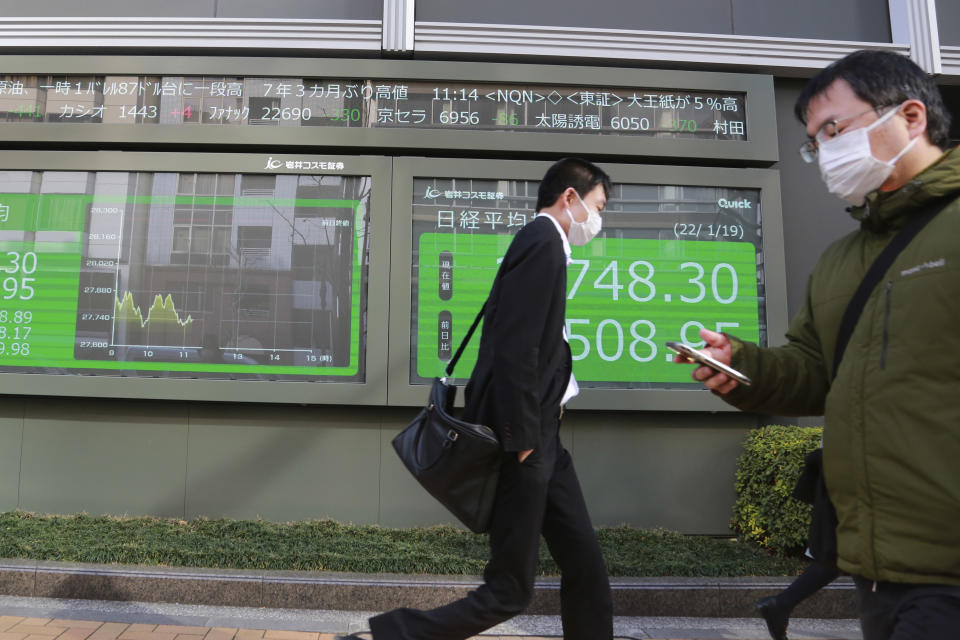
[{"x": 775, "y": 617}]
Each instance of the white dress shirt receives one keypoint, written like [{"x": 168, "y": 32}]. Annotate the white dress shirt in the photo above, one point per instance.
[{"x": 572, "y": 387}]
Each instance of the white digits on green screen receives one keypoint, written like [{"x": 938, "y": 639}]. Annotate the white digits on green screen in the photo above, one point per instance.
[
  {"x": 646, "y": 281},
  {"x": 642, "y": 347},
  {"x": 574, "y": 337},
  {"x": 734, "y": 283},
  {"x": 584, "y": 267},
  {"x": 18, "y": 288},
  {"x": 645, "y": 339},
  {"x": 614, "y": 285},
  {"x": 26, "y": 262},
  {"x": 15, "y": 348},
  {"x": 619, "y": 330},
  {"x": 19, "y": 263},
  {"x": 714, "y": 282},
  {"x": 697, "y": 341},
  {"x": 685, "y": 337},
  {"x": 694, "y": 280}
]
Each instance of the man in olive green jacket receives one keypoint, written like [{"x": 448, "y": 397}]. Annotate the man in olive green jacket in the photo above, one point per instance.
[{"x": 877, "y": 127}]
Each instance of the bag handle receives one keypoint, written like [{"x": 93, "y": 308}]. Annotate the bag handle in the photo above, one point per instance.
[
  {"x": 466, "y": 339},
  {"x": 876, "y": 272}
]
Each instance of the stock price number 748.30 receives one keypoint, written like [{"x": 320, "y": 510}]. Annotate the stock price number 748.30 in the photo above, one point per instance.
[{"x": 639, "y": 283}]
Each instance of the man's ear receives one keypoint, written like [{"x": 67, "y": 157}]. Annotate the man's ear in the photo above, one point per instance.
[{"x": 915, "y": 114}]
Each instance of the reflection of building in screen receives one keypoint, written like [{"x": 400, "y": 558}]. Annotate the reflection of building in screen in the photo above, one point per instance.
[{"x": 224, "y": 268}]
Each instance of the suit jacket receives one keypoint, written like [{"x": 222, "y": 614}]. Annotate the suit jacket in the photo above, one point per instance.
[{"x": 523, "y": 365}]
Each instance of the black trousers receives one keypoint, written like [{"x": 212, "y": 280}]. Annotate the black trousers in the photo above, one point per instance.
[
  {"x": 541, "y": 495},
  {"x": 898, "y": 611}
]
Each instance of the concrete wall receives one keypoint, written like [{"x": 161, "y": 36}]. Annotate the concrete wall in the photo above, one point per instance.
[
  {"x": 948, "y": 22},
  {"x": 181, "y": 460},
  {"x": 951, "y": 96},
  {"x": 863, "y": 20},
  {"x": 812, "y": 218},
  {"x": 284, "y": 9},
  {"x": 281, "y": 462},
  {"x": 856, "y": 20}
]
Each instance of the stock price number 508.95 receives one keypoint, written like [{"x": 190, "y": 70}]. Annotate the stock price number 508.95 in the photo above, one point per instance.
[
  {"x": 640, "y": 345},
  {"x": 613, "y": 339}
]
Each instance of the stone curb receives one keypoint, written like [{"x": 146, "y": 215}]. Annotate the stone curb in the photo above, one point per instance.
[{"x": 653, "y": 597}]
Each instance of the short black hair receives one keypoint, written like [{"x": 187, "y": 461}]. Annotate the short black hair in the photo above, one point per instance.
[
  {"x": 884, "y": 79},
  {"x": 583, "y": 176}
]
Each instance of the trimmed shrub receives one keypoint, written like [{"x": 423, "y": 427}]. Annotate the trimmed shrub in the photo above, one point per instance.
[
  {"x": 325, "y": 545},
  {"x": 766, "y": 513}
]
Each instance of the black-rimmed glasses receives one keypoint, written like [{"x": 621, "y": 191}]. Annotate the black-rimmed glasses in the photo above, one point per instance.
[{"x": 829, "y": 129}]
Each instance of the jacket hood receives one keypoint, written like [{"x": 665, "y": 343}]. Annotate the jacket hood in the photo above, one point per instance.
[{"x": 885, "y": 211}]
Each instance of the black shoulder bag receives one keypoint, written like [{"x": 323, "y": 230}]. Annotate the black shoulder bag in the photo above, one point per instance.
[
  {"x": 811, "y": 486},
  {"x": 457, "y": 462}
]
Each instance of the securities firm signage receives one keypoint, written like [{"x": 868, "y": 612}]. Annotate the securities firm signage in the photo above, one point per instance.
[{"x": 673, "y": 113}]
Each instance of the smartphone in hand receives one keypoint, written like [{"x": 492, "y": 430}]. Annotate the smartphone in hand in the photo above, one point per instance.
[{"x": 696, "y": 357}]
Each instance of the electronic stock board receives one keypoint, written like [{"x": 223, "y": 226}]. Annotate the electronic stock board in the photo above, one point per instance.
[
  {"x": 681, "y": 249},
  {"x": 182, "y": 275},
  {"x": 187, "y": 276}
]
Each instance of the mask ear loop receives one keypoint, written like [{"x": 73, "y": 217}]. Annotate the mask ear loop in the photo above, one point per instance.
[
  {"x": 889, "y": 116},
  {"x": 569, "y": 213},
  {"x": 583, "y": 204},
  {"x": 894, "y": 159}
]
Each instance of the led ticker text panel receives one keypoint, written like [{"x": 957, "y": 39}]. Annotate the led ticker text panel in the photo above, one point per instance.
[
  {"x": 669, "y": 260},
  {"x": 223, "y": 276},
  {"x": 663, "y": 112}
]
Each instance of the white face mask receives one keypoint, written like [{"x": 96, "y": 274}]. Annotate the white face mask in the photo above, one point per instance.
[
  {"x": 583, "y": 232},
  {"x": 848, "y": 167}
]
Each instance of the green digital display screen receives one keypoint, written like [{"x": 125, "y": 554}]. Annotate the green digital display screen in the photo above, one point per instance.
[
  {"x": 220, "y": 276},
  {"x": 669, "y": 261}
]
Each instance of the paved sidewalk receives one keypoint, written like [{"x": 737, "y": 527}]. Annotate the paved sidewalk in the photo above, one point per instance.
[
  {"x": 16, "y": 628},
  {"x": 57, "y": 619}
]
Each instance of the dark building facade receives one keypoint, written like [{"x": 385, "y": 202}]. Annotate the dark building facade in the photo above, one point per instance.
[{"x": 241, "y": 237}]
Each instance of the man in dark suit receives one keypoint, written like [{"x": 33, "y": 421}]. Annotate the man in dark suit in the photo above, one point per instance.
[{"x": 519, "y": 385}]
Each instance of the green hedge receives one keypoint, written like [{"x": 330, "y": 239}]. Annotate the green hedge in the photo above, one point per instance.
[
  {"x": 765, "y": 512},
  {"x": 325, "y": 545}
]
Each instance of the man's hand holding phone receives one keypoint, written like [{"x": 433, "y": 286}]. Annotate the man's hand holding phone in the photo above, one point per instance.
[{"x": 717, "y": 348}]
